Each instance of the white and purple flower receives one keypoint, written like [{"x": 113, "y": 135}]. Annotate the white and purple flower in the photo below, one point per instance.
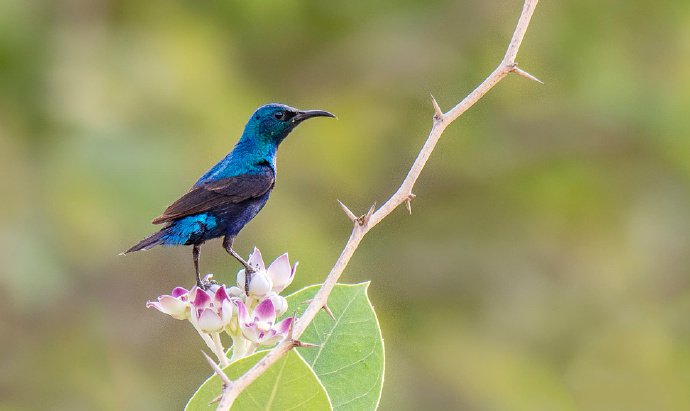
[
  {"x": 176, "y": 304},
  {"x": 260, "y": 327},
  {"x": 211, "y": 311},
  {"x": 274, "y": 279}
]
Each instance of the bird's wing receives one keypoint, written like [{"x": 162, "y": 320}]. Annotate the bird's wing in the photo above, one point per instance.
[{"x": 216, "y": 193}]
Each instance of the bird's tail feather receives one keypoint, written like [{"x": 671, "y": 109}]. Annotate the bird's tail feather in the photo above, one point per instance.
[{"x": 148, "y": 242}]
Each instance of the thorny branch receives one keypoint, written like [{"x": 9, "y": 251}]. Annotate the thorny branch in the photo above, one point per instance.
[{"x": 364, "y": 223}]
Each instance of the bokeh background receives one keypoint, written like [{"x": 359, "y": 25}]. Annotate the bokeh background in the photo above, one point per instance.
[{"x": 546, "y": 265}]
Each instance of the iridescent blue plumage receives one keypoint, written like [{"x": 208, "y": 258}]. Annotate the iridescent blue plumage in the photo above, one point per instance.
[{"x": 233, "y": 191}]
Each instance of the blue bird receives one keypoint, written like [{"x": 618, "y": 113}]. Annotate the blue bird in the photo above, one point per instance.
[{"x": 233, "y": 191}]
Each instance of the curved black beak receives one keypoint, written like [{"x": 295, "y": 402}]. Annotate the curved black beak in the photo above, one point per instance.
[{"x": 303, "y": 115}]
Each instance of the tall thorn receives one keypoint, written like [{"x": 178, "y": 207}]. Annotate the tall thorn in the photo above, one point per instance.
[
  {"x": 290, "y": 335},
  {"x": 328, "y": 311},
  {"x": 438, "y": 113},
  {"x": 347, "y": 211},
  {"x": 522, "y": 73},
  {"x": 408, "y": 202},
  {"x": 223, "y": 377},
  {"x": 298, "y": 343}
]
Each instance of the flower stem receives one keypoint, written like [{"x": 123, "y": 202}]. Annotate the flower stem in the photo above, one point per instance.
[
  {"x": 238, "y": 348},
  {"x": 220, "y": 352},
  {"x": 207, "y": 339},
  {"x": 242, "y": 347},
  {"x": 214, "y": 344},
  {"x": 251, "y": 349}
]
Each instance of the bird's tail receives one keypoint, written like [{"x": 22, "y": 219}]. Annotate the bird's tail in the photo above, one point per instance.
[{"x": 148, "y": 242}]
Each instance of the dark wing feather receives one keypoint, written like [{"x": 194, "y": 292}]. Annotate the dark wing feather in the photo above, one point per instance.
[{"x": 210, "y": 195}]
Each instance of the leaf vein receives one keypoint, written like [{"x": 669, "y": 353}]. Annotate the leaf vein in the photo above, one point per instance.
[
  {"x": 275, "y": 386},
  {"x": 360, "y": 396},
  {"x": 321, "y": 374},
  {"x": 337, "y": 321},
  {"x": 303, "y": 402}
]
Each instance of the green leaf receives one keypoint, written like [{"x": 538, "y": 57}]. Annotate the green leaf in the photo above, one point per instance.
[
  {"x": 350, "y": 359},
  {"x": 290, "y": 384}
]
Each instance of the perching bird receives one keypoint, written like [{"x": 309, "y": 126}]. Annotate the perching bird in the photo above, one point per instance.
[{"x": 233, "y": 191}]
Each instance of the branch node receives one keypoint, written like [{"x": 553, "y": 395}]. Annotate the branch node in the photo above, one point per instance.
[
  {"x": 364, "y": 219},
  {"x": 225, "y": 380},
  {"x": 438, "y": 113},
  {"x": 522, "y": 73},
  {"x": 347, "y": 211}
]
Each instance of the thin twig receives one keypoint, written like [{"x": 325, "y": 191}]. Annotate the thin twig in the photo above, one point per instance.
[
  {"x": 402, "y": 195},
  {"x": 220, "y": 352}
]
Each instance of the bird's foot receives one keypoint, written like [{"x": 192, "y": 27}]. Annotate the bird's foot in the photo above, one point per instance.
[
  {"x": 206, "y": 282},
  {"x": 248, "y": 271},
  {"x": 248, "y": 268}
]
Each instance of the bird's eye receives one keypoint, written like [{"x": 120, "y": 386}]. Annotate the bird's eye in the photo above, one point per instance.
[{"x": 279, "y": 115}]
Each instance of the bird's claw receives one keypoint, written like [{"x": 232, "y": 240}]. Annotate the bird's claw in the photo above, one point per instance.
[
  {"x": 248, "y": 271},
  {"x": 206, "y": 283}
]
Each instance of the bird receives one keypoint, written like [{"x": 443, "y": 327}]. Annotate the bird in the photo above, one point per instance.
[{"x": 232, "y": 192}]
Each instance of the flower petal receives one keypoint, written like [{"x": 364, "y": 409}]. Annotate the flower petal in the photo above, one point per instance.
[
  {"x": 242, "y": 314},
  {"x": 283, "y": 327},
  {"x": 265, "y": 311},
  {"x": 209, "y": 321},
  {"x": 201, "y": 299},
  {"x": 156, "y": 305},
  {"x": 173, "y": 306},
  {"x": 270, "y": 337},
  {"x": 226, "y": 312},
  {"x": 251, "y": 333},
  {"x": 220, "y": 296},
  {"x": 280, "y": 273},
  {"x": 249, "y": 329},
  {"x": 256, "y": 261},
  {"x": 178, "y": 292}
]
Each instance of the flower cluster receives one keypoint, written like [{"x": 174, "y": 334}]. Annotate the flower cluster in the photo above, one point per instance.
[{"x": 250, "y": 320}]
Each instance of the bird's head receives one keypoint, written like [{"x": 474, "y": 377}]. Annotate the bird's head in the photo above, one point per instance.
[{"x": 274, "y": 121}]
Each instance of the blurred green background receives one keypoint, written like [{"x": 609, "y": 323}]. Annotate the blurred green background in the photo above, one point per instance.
[{"x": 546, "y": 265}]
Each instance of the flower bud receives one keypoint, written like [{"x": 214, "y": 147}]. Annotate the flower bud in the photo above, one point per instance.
[
  {"x": 236, "y": 291},
  {"x": 279, "y": 302},
  {"x": 260, "y": 284},
  {"x": 280, "y": 273}
]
